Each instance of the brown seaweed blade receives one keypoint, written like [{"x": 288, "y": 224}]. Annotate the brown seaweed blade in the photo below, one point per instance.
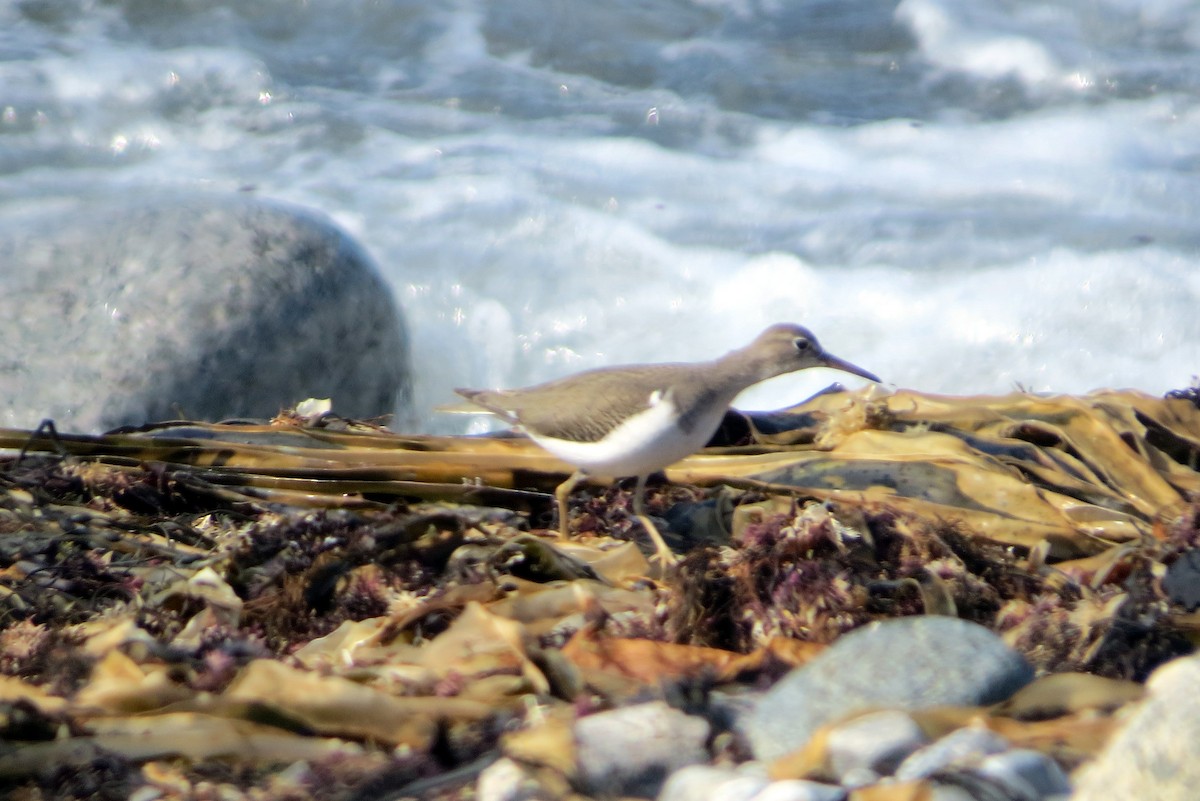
[{"x": 1019, "y": 468}]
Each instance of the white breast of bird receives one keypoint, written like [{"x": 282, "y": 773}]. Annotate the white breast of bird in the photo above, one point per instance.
[{"x": 648, "y": 441}]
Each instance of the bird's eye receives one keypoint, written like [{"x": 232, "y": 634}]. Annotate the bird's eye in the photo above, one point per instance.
[{"x": 802, "y": 344}]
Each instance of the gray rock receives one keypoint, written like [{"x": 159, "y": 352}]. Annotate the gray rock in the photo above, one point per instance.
[
  {"x": 800, "y": 790},
  {"x": 872, "y": 745},
  {"x": 909, "y": 663},
  {"x": 1025, "y": 774},
  {"x": 632, "y": 750},
  {"x": 738, "y": 788},
  {"x": 1156, "y": 753},
  {"x": 706, "y": 783},
  {"x": 961, "y": 747},
  {"x": 208, "y": 306},
  {"x": 505, "y": 780}
]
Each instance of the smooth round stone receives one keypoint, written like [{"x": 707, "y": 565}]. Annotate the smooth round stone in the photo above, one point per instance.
[
  {"x": 1156, "y": 753},
  {"x": 1025, "y": 773},
  {"x": 207, "y": 306},
  {"x": 505, "y": 780},
  {"x": 861, "y": 750},
  {"x": 800, "y": 790},
  {"x": 737, "y": 788},
  {"x": 632, "y": 750},
  {"x": 706, "y": 783},
  {"x": 965, "y": 746},
  {"x": 908, "y": 663}
]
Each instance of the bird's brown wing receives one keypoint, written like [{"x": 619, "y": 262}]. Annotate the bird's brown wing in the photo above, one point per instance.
[{"x": 582, "y": 407}]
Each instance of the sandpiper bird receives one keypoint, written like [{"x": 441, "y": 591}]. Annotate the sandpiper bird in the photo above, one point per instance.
[{"x": 637, "y": 419}]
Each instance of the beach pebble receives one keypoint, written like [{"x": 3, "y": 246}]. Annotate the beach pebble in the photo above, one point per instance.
[
  {"x": 505, "y": 780},
  {"x": 632, "y": 750},
  {"x": 704, "y": 783},
  {"x": 206, "y": 306},
  {"x": 1026, "y": 775},
  {"x": 861, "y": 750},
  {"x": 965, "y": 746},
  {"x": 1156, "y": 752},
  {"x": 907, "y": 663},
  {"x": 800, "y": 790}
]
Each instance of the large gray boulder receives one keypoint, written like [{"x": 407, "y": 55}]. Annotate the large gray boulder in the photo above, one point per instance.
[{"x": 206, "y": 307}]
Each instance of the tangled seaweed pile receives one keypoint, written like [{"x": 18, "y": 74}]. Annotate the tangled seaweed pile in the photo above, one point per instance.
[{"x": 326, "y": 609}]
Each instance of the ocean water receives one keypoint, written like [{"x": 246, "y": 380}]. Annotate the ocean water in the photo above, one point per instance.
[{"x": 961, "y": 197}]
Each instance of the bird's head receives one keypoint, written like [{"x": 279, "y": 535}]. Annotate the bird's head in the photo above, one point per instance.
[{"x": 786, "y": 347}]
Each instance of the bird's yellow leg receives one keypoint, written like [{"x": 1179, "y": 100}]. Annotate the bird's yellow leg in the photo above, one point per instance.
[
  {"x": 662, "y": 553},
  {"x": 562, "y": 494}
]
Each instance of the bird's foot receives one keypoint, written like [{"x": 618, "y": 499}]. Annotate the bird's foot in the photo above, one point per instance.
[{"x": 663, "y": 555}]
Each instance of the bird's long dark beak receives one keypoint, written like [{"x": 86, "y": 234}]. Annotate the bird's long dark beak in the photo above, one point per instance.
[{"x": 830, "y": 360}]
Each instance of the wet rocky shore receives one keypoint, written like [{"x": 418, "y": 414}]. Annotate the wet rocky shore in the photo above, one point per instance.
[{"x": 880, "y": 596}]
